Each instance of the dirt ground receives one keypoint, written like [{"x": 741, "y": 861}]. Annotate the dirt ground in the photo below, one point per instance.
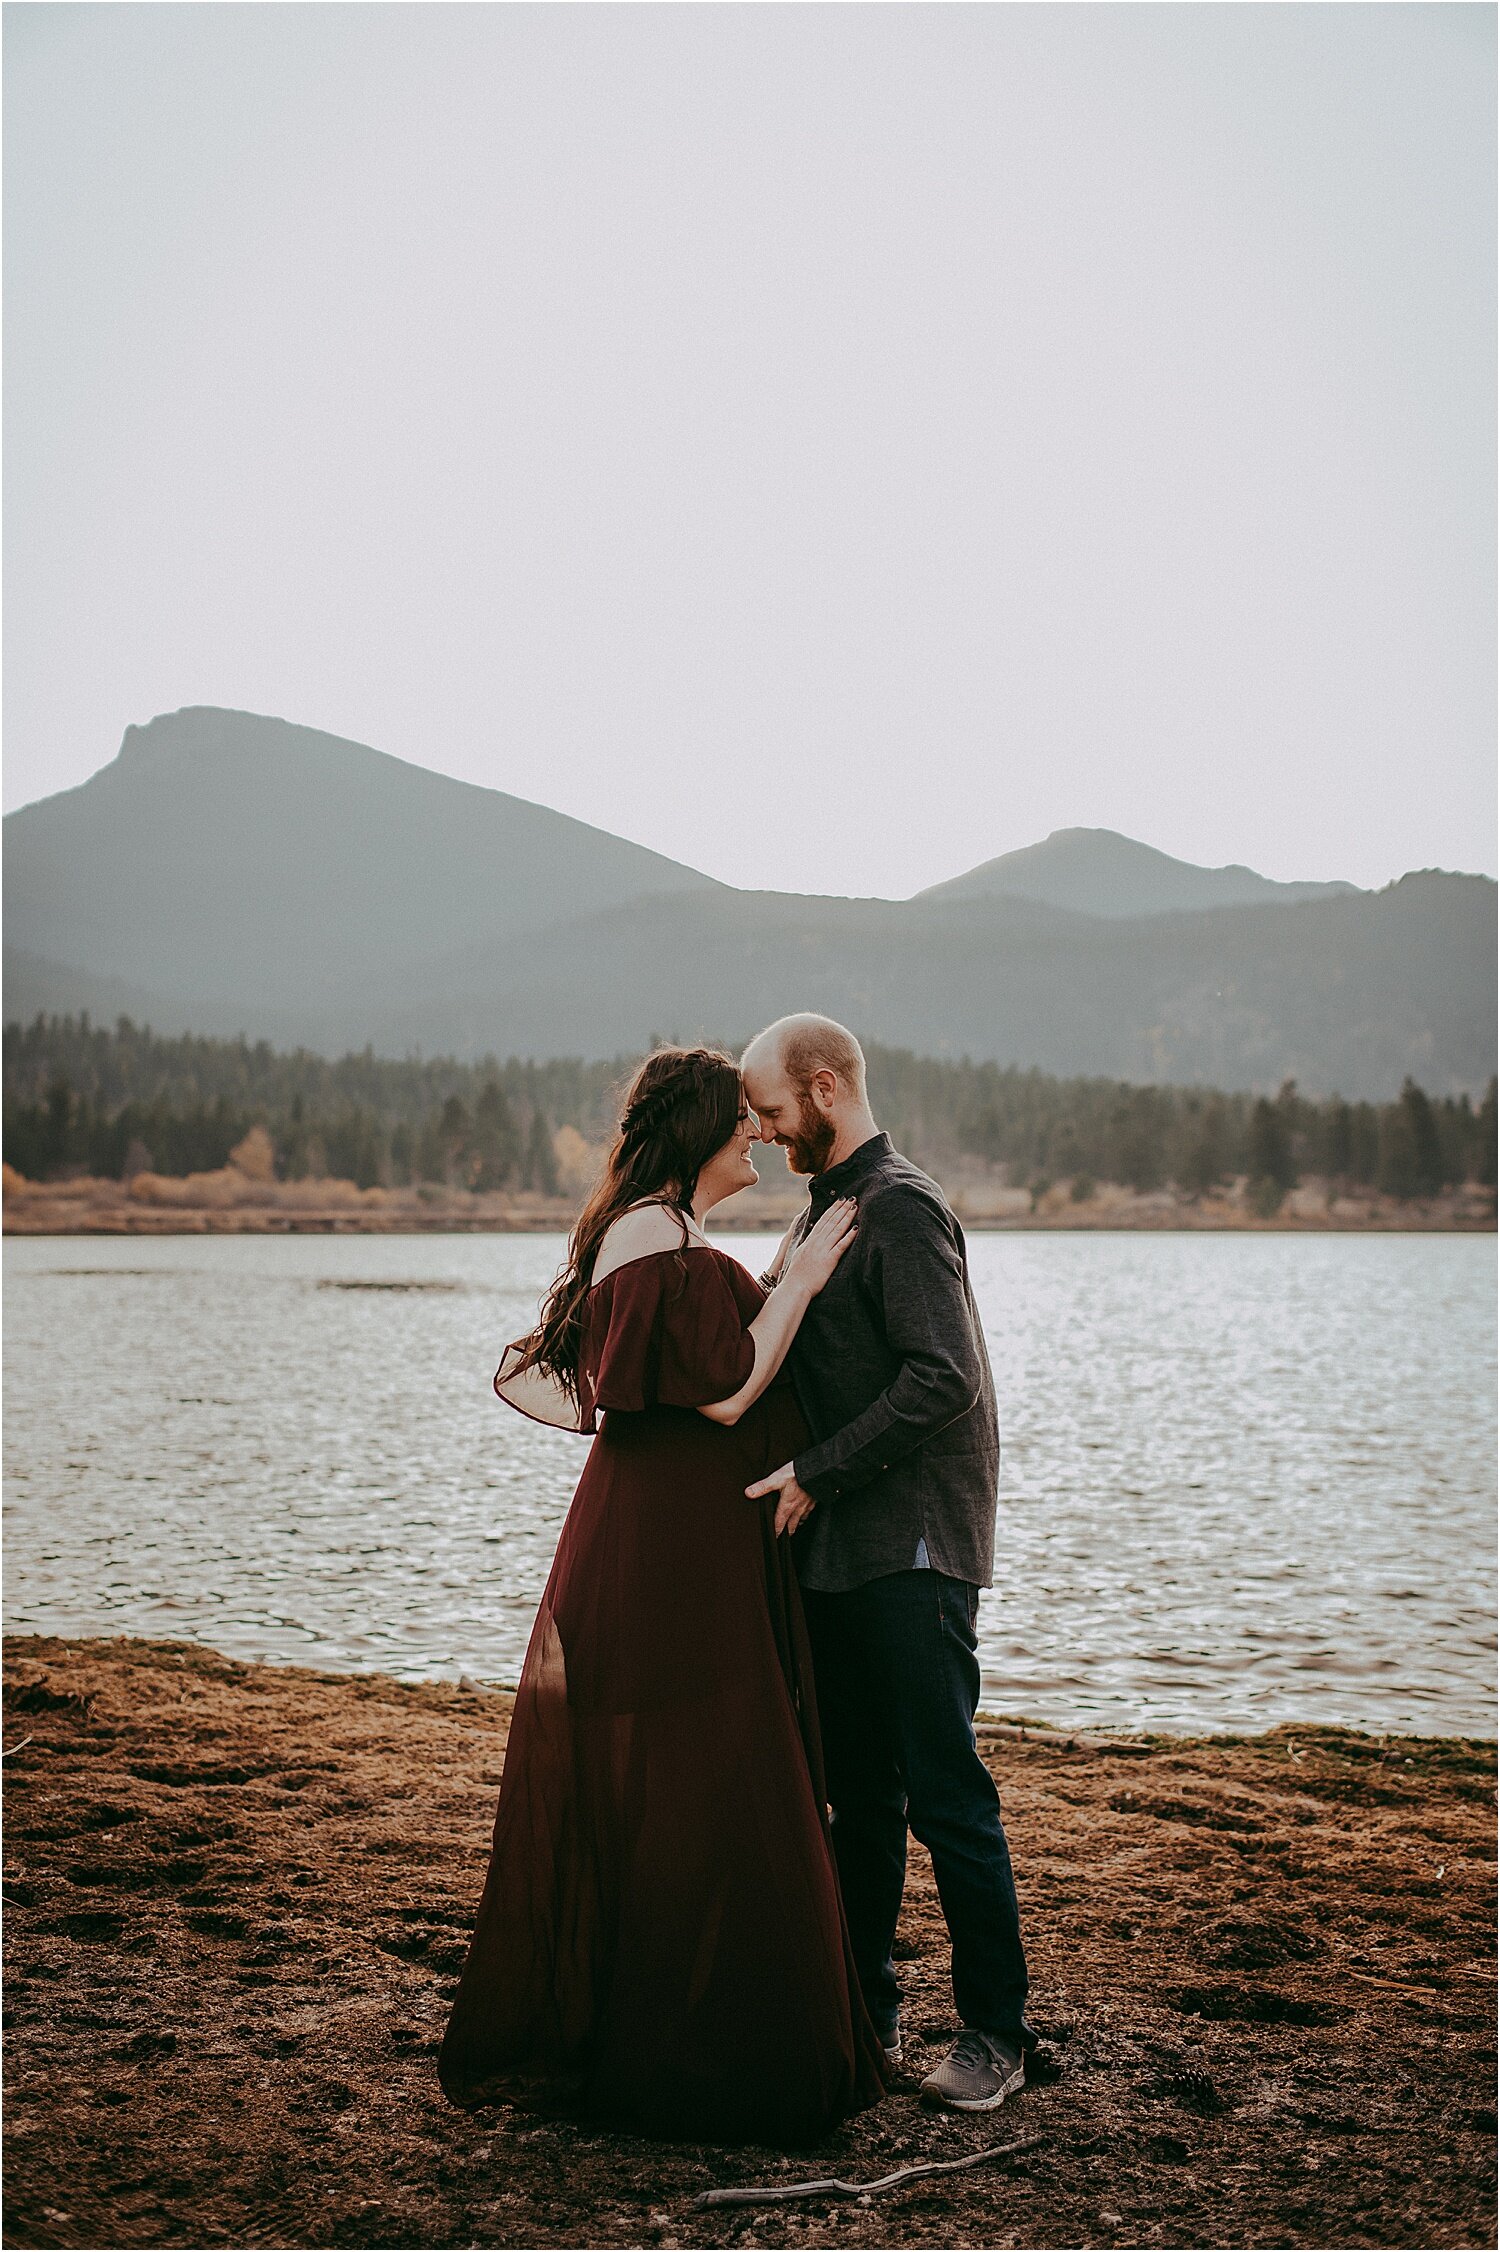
[{"x": 237, "y": 1900}]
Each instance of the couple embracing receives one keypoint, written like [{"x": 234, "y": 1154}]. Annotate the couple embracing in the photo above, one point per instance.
[{"x": 761, "y": 1613}]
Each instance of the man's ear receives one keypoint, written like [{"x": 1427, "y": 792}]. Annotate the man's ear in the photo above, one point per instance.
[{"x": 826, "y": 1087}]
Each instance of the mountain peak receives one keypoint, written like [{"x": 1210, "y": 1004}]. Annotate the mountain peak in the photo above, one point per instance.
[
  {"x": 187, "y": 733},
  {"x": 1102, "y": 873},
  {"x": 259, "y": 857},
  {"x": 197, "y": 733}
]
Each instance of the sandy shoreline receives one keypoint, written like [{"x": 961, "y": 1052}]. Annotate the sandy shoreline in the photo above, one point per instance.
[
  {"x": 237, "y": 1898},
  {"x": 225, "y": 1204}
]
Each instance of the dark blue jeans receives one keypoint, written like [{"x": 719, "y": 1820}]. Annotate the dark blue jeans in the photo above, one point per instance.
[{"x": 898, "y": 1684}]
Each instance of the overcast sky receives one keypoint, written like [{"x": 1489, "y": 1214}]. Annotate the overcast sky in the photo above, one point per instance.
[{"x": 830, "y": 444}]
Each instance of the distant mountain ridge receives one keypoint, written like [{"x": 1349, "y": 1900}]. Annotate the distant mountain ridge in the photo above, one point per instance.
[
  {"x": 1099, "y": 872},
  {"x": 223, "y": 853},
  {"x": 232, "y": 873}
]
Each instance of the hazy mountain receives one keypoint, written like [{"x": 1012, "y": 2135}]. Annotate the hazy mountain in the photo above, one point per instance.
[
  {"x": 222, "y": 855},
  {"x": 1099, "y": 872},
  {"x": 1347, "y": 995},
  {"x": 228, "y": 874},
  {"x": 34, "y": 985}
]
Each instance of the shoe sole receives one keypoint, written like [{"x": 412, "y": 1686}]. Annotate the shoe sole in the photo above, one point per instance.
[{"x": 978, "y": 2103}]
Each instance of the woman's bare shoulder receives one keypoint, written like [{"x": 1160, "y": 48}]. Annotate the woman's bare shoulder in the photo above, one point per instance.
[{"x": 644, "y": 1229}]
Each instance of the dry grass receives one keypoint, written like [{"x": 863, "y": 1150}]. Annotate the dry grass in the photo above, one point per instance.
[{"x": 238, "y": 1898}]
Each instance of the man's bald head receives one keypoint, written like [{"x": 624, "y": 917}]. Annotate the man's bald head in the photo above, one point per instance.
[
  {"x": 805, "y": 1045},
  {"x": 805, "y": 1080}
]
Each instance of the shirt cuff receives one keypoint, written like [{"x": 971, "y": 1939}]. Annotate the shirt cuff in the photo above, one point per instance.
[{"x": 822, "y": 1485}]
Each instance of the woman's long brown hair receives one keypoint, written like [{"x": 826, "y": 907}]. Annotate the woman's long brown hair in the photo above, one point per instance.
[{"x": 682, "y": 1105}]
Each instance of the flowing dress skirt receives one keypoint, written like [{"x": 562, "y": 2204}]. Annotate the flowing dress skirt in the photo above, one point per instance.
[{"x": 660, "y": 1939}]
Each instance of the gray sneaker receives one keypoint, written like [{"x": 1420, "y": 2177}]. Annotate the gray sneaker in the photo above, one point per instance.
[
  {"x": 977, "y": 2074},
  {"x": 891, "y": 2043}
]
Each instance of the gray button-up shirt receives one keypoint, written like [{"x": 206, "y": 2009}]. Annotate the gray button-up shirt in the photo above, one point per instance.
[{"x": 893, "y": 1377}]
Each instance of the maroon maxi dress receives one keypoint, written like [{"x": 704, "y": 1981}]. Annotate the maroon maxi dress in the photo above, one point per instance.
[{"x": 660, "y": 1939}]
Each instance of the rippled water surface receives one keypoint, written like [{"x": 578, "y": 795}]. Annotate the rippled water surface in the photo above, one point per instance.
[{"x": 1245, "y": 1478}]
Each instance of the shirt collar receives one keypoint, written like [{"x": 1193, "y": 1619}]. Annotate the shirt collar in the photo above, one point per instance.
[{"x": 840, "y": 1178}]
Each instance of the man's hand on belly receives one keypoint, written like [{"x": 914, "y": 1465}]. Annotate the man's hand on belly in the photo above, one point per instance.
[{"x": 793, "y": 1503}]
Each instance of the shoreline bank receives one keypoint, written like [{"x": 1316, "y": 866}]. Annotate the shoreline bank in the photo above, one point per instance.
[
  {"x": 224, "y": 1204},
  {"x": 239, "y": 1895},
  {"x": 993, "y": 1722}
]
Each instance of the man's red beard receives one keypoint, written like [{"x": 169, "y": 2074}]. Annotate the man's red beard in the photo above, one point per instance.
[{"x": 809, "y": 1149}]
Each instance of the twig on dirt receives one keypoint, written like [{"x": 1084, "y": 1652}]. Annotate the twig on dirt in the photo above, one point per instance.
[
  {"x": 1395, "y": 1985},
  {"x": 25, "y": 1740},
  {"x": 780, "y": 2192}
]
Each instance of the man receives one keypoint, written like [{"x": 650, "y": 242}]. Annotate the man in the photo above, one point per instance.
[{"x": 893, "y": 1506}]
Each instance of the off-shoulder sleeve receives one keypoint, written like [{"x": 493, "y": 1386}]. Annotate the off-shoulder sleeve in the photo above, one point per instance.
[{"x": 664, "y": 1331}]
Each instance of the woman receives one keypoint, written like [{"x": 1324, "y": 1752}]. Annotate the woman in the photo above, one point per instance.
[{"x": 660, "y": 1939}]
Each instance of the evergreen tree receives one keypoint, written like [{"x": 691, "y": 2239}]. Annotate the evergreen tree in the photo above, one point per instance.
[
  {"x": 1411, "y": 1157},
  {"x": 1431, "y": 1172},
  {"x": 291, "y": 1153},
  {"x": 1396, "y": 1168},
  {"x": 1338, "y": 1140},
  {"x": 453, "y": 1142},
  {"x": 58, "y": 1133},
  {"x": 1457, "y": 1137},
  {"x": 1364, "y": 1137},
  {"x": 354, "y": 1148},
  {"x": 494, "y": 1144},
  {"x": 1296, "y": 1116},
  {"x": 1204, "y": 1166},
  {"x": 1140, "y": 1153},
  {"x": 1485, "y": 1119},
  {"x": 1272, "y": 1169},
  {"x": 541, "y": 1158}
]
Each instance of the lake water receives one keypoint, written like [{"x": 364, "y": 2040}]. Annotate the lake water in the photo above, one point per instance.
[{"x": 1245, "y": 1479}]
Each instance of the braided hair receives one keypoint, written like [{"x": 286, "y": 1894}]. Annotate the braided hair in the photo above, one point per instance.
[{"x": 682, "y": 1105}]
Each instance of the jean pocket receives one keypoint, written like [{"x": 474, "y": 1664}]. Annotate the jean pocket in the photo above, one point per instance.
[{"x": 958, "y": 1608}]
